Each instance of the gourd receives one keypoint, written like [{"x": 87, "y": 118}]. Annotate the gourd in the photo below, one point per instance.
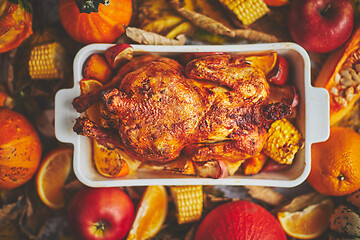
[
  {"x": 240, "y": 220},
  {"x": 340, "y": 75},
  {"x": 95, "y": 21},
  {"x": 20, "y": 149},
  {"x": 15, "y": 23},
  {"x": 345, "y": 220}
]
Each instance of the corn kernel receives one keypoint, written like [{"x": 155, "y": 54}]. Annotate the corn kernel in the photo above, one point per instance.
[
  {"x": 247, "y": 11},
  {"x": 283, "y": 142},
  {"x": 188, "y": 201},
  {"x": 47, "y": 61}
]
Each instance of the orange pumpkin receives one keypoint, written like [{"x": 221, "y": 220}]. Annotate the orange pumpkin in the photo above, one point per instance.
[
  {"x": 95, "y": 21},
  {"x": 20, "y": 149},
  {"x": 15, "y": 23}
]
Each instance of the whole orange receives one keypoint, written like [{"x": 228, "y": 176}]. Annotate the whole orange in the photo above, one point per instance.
[
  {"x": 20, "y": 149},
  {"x": 335, "y": 163}
]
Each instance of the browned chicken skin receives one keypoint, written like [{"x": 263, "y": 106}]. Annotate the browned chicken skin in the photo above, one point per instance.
[{"x": 215, "y": 108}]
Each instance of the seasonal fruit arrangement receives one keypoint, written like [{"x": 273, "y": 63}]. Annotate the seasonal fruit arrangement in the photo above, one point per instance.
[
  {"x": 105, "y": 118},
  {"x": 32, "y": 206}
]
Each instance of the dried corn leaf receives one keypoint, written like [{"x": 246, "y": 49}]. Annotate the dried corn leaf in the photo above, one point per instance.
[
  {"x": 184, "y": 28},
  {"x": 216, "y": 27},
  {"x": 149, "y": 38},
  {"x": 214, "y": 10},
  {"x": 163, "y": 24},
  {"x": 266, "y": 194}
]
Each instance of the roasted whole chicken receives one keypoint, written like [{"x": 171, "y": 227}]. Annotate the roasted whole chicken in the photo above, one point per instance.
[{"x": 214, "y": 108}]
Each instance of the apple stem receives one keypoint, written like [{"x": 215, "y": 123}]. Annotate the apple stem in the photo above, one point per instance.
[{"x": 326, "y": 9}]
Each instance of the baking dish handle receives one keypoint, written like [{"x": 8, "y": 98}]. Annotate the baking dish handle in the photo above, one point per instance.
[
  {"x": 318, "y": 108},
  {"x": 65, "y": 116}
]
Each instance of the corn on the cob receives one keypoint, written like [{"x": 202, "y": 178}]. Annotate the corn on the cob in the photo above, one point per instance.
[
  {"x": 47, "y": 61},
  {"x": 247, "y": 11},
  {"x": 283, "y": 142},
  {"x": 189, "y": 202}
]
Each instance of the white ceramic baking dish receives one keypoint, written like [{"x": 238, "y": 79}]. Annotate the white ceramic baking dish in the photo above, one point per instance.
[{"x": 312, "y": 121}]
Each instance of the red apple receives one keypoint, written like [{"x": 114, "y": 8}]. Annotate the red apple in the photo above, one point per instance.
[
  {"x": 320, "y": 25},
  {"x": 118, "y": 54},
  {"x": 280, "y": 77},
  {"x": 239, "y": 220},
  {"x": 101, "y": 214}
]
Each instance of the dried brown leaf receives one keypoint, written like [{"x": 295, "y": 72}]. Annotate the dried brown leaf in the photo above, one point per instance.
[
  {"x": 266, "y": 194},
  {"x": 149, "y": 38},
  {"x": 300, "y": 202},
  {"x": 7, "y": 214}
]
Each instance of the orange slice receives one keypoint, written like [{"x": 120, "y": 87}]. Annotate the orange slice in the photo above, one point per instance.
[
  {"x": 109, "y": 163},
  {"x": 151, "y": 213},
  {"x": 87, "y": 86},
  {"x": 265, "y": 63},
  {"x": 309, "y": 223},
  {"x": 51, "y": 176}
]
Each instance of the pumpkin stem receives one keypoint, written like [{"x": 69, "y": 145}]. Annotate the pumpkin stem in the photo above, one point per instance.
[{"x": 89, "y": 6}]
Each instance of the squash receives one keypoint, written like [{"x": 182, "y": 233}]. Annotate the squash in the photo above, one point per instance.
[
  {"x": 20, "y": 149},
  {"x": 345, "y": 220},
  {"x": 240, "y": 220},
  {"x": 15, "y": 23},
  {"x": 340, "y": 75},
  {"x": 95, "y": 21}
]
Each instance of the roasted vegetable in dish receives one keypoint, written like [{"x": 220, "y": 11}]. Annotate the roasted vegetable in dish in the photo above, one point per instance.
[{"x": 214, "y": 111}]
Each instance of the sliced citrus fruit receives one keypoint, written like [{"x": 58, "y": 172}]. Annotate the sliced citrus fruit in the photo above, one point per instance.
[
  {"x": 151, "y": 213},
  {"x": 109, "y": 163},
  {"x": 265, "y": 63},
  {"x": 88, "y": 86},
  {"x": 309, "y": 223},
  {"x": 51, "y": 176}
]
